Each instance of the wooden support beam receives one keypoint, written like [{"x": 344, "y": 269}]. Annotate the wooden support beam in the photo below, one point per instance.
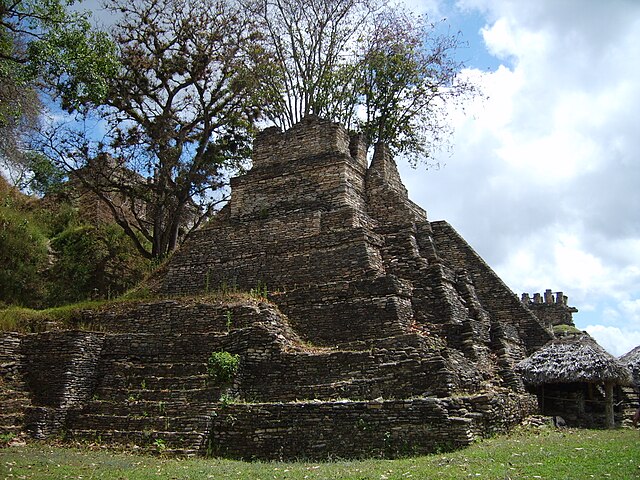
[{"x": 608, "y": 388}]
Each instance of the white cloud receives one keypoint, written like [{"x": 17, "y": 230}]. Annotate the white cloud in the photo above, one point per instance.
[
  {"x": 543, "y": 180},
  {"x": 631, "y": 310},
  {"x": 613, "y": 339}
]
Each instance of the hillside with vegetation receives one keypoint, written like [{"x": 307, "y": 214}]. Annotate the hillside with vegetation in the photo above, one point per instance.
[{"x": 50, "y": 254}]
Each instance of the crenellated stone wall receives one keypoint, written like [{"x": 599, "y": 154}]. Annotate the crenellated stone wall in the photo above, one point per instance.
[{"x": 551, "y": 308}]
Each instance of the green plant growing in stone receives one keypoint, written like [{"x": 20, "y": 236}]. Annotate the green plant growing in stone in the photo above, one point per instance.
[
  {"x": 260, "y": 292},
  {"x": 5, "y": 438},
  {"x": 223, "y": 366},
  {"x": 160, "y": 445},
  {"x": 387, "y": 439},
  {"x": 362, "y": 425},
  {"x": 206, "y": 281},
  {"x": 227, "y": 288},
  {"x": 226, "y": 399},
  {"x": 228, "y": 321},
  {"x": 133, "y": 397}
]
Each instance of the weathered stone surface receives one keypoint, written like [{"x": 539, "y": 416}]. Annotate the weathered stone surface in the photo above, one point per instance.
[
  {"x": 552, "y": 309},
  {"x": 386, "y": 334}
]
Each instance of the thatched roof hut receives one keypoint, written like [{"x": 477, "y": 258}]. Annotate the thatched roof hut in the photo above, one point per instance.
[
  {"x": 575, "y": 359},
  {"x": 632, "y": 361}
]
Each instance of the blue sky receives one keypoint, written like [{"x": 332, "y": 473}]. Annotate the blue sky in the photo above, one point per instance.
[{"x": 543, "y": 177}]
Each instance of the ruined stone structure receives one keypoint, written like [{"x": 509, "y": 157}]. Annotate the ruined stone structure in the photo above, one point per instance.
[
  {"x": 385, "y": 333},
  {"x": 551, "y": 308},
  {"x": 579, "y": 403}
]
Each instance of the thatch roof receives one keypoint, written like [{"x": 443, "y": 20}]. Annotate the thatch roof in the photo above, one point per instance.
[
  {"x": 573, "y": 358},
  {"x": 632, "y": 362}
]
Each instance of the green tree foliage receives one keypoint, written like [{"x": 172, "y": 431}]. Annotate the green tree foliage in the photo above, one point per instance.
[
  {"x": 44, "y": 47},
  {"x": 23, "y": 251},
  {"x": 374, "y": 68},
  {"x": 223, "y": 366},
  {"x": 180, "y": 113},
  {"x": 40, "y": 176},
  {"x": 92, "y": 261},
  {"x": 42, "y": 40},
  {"x": 50, "y": 255},
  {"x": 309, "y": 42},
  {"x": 407, "y": 79}
]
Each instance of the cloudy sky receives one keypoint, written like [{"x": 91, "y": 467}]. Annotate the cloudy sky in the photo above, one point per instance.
[{"x": 543, "y": 180}]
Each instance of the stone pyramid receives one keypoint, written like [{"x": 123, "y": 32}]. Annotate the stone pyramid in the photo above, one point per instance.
[
  {"x": 384, "y": 333},
  {"x": 348, "y": 258}
]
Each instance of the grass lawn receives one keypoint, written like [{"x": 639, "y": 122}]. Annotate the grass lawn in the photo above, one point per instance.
[{"x": 532, "y": 453}]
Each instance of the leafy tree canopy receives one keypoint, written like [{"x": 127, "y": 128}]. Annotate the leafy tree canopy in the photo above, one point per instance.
[
  {"x": 45, "y": 48},
  {"x": 179, "y": 112},
  {"x": 41, "y": 40},
  {"x": 51, "y": 254},
  {"x": 373, "y": 67}
]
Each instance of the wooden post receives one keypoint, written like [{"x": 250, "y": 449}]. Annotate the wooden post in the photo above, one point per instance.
[
  {"x": 580, "y": 402},
  {"x": 610, "y": 423}
]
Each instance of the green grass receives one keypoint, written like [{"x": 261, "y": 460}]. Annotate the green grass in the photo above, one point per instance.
[
  {"x": 68, "y": 317},
  {"x": 530, "y": 454},
  {"x": 565, "y": 329},
  {"x": 29, "y": 320}
]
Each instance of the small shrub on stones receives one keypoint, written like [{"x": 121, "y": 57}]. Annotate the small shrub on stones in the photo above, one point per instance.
[{"x": 223, "y": 366}]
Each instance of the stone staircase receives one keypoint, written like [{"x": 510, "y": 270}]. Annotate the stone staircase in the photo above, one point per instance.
[
  {"x": 14, "y": 399},
  {"x": 14, "y": 394},
  {"x": 160, "y": 406},
  {"x": 151, "y": 391}
]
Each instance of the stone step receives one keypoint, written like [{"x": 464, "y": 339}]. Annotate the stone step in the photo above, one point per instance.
[
  {"x": 14, "y": 403},
  {"x": 15, "y": 419},
  {"x": 162, "y": 369},
  {"x": 105, "y": 423},
  {"x": 188, "y": 443},
  {"x": 185, "y": 395},
  {"x": 10, "y": 393},
  {"x": 354, "y": 389},
  {"x": 140, "y": 407},
  {"x": 150, "y": 382},
  {"x": 10, "y": 429}
]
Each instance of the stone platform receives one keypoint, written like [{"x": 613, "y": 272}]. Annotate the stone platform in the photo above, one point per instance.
[{"x": 382, "y": 333}]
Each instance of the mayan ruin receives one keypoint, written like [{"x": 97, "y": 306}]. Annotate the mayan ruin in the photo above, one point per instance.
[{"x": 371, "y": 330}]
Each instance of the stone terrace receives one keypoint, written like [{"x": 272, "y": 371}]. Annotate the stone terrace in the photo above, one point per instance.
[{"x": 384, "y": 333}]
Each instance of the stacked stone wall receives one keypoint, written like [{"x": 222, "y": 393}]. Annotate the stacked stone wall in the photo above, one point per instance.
[
  {"x": 14, "y": 393},
  {"x": 389, "y": 334},
  {"x": 224, "y": 260},
  {"x": 355, "y": 429},
  {"x": 69, "y": 360},
  {"x": 316, "y": 183},
  {"x": 184, "y": 316},
  {"x": 309, "y": 138},
  {"x": 348, "y": 311},
  {"x": 505, "y": 306},
  {"x": 362, "y": 375}
]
